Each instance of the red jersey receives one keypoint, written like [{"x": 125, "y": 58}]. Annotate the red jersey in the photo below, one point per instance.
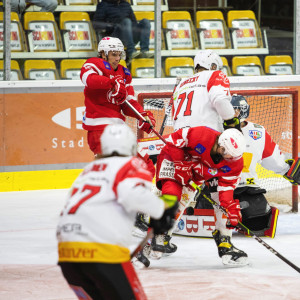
[
  {"x": 195, "y": 144},
  {"x": 95, "y": 75}
]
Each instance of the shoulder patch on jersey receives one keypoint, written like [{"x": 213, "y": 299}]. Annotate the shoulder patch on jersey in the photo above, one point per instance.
[
  {"x": 106, "y": 65},
  {"x": 199, "y": 148},
  {"x": 255, "y": 134},
  {"x": 126, "y": 71},
  {"x": 212, "y": 172},
  {"x": 225, "y": 169}
]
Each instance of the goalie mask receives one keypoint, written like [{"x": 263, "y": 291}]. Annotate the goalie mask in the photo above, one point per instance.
[
  {"x": 118, "y": 139},
  {"x": 208, "y": 59},
  {"x": 239, "y": 102},
  {"x": 111, "y": 44},
  {"x": 233, "y": 142}
]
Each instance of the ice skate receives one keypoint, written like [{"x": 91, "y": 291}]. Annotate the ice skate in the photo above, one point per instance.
[
  {"x": 140, "y": 226},
  {"x": 230, "y": 255},
  {"x": 161, "y": 246},
  {"x": 141, "y": 260}
]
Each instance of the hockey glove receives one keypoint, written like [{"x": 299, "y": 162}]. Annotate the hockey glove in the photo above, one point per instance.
[
  {"x": 117, "y": 94},
  {"x": 293, "y": 174},
  {"x": 149, "y": 123},
  {"x": 167, "y": 220},
  {"x": 183, "y": 172},
  {"x": 232, "y": 123},
  {"x": 234, "y": 213}
]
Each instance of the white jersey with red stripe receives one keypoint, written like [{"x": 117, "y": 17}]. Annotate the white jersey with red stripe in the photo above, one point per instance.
[
  {"x": 97, "y": 220},
  {"x": 260, "y": 148},
  {"x": 95, "y": 75},
  {"x": 202, "y": 100}
]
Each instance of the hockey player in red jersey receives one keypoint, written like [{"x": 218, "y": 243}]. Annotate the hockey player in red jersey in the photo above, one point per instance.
[
  {"x": 107, "y": 85},
  {"x": 94, "y": 230}
]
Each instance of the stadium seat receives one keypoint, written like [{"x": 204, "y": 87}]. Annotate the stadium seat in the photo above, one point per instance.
[
  {"x": 70, "y": 68},
  {"x": 15, "y": 72},
  {"x": 40, "y": 70},
  {"x": 245, "y": 31},
  {"x": 142, "y": 67},
  {"x": 179, "y": 30},
  {"x": 81, "y": 2},
  {"x": 278, "y": 65},
  {"x": 179, "y": 66},
  {"x": 226, "y": 69},
  {"x": 246, "y": 66},
  {"x": 212, "y": 30},
  {"x": 18, "y": 41},
  {"x": 79, "y": 34},
  {"x": 43, "y": 34},
  {"x": 150, "y": 16},
  {"x": 123, "y": 63}
]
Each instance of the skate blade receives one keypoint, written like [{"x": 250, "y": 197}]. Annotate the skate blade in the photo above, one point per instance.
[
  {"x": 138, "y": 264},
  {"x": 155, "y": 255},
  {"x": 240, "y": 262}
]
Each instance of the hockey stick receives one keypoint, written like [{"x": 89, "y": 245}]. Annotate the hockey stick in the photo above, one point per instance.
[
  {"x": 244, "y": 228},
  {"x": 168, "y": 108},
  {"x": 143, "y": 119},
  {"x": 141, "y": 245}
]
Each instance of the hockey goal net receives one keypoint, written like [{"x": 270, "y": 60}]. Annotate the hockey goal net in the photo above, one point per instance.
[{"x": 276, "y": 109}]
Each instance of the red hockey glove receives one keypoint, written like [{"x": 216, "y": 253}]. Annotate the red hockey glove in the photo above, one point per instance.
[
  {"x": 234, "y": 213},
  {"x": 117, "y": 94},
  {"x": 146, "y": 126},
  {"x": 183, "y": 172}
]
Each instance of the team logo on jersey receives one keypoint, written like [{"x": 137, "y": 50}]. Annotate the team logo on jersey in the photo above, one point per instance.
[
  {"x": 151, "y": 147},
  {"x": 126, "y": 71},
  {"x": 212, "y": 172},
  {"x": 255, "y": 134},
  {"x": 225, "y": 169},
  {"x": 107, "y": 65},
  {"x": 199, "y": 148}
]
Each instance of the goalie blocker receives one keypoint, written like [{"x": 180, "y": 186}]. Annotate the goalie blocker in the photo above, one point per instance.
[{"x": 293, "y": 174}]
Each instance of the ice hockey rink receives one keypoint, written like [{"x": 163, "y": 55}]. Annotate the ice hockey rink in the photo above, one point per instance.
[{"x": 28, "y": 258}]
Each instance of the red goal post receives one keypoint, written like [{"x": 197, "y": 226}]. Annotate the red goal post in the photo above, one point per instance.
[{"x": 274, "y": 108}]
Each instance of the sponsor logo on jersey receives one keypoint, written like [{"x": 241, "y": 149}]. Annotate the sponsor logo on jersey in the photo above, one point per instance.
[
  {"x": 199, "y": 148},
  {"x": 257, "y": 126},
  {"x": 151, "y": 147},
  {"x": 255, "y": 134},
  {"x": 126, "y": 71},
  {"x": 106, "y": 65},
  {"x": 225, "y": 169},
  {"x": 212, "y": 172}
]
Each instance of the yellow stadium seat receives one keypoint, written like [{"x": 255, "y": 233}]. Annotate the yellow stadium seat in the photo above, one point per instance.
[
  {"x": 70, "y": 68},
  {"x": 40, "y": 70},
  {"x": 142, "y": 67},
  {"x": 245, "y": 31},
  {"x": 79, "y": 33},
  {"x": 43, "y": 32},
  {"x": 212, "y": 30},
  {"x": 246, "y": 66},
  {"x": 180, "y": 31},
  {"x": 278, "y": 65},
  {"x": 18, "y": 41},
  {"x": 144, "y": 2},
  {"x": 80, "y": 2},
  {"x": 179, "y": 66},
  {"x": 225, "y": 69},
  {"x": 123, "y": 63},
  {"x": 150, "y": 16},
  {"x": 15, "y": 73}
]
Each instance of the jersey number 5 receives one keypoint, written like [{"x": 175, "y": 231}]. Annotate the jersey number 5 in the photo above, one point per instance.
[
  {"x": 187, "y": 108},
  {"x": 92, "y": 191}
]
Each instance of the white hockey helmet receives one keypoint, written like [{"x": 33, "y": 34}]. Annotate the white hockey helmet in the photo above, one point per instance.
[
  {"x": 233, "y": 142},
  {"x": 207, "y": 59},
  {"x": 111, "y": 44},
  {"x": 118, "y": 138}
]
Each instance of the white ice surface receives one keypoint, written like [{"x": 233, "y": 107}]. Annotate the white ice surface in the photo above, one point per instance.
[{"x": 28, "y": 258}]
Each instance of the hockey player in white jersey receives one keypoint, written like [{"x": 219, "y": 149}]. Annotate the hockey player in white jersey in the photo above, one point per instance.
[
  {"x": 94, "y": 230},
  {"x": 257, "y": 214},
  {"x": 204, "y": 98}
]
